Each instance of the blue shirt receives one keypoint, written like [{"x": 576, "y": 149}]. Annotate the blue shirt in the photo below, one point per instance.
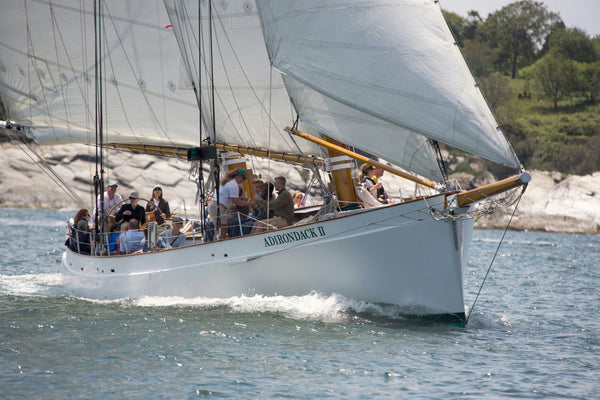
[
  {"x": 167, "y": 240},
  {"x": 132, "y": 241}
]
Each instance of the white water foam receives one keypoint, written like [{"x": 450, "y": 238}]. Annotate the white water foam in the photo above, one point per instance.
[
  {"x": 315, "y": 306},
  {"x": 31, "y": 284}
]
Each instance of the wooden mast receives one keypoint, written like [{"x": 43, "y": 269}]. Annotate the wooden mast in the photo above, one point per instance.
[{"x": 341, "y": 173}]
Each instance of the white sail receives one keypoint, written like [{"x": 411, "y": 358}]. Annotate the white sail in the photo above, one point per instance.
[
  {"x": 394, "y": 60},
  {"x": 251, "y": 104},
  {"x": 250, "y": 95},
  {"x": 47, "y": 78}
]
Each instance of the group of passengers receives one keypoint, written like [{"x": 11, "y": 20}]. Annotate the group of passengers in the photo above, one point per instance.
[
  {"x": 123, "y": 223},
  {"x": 272, "y": 206}
]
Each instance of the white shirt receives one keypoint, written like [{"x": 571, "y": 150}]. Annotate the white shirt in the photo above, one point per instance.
[
  {"x": 108, "y": 203},
  {"x": 227, "y": 192}
]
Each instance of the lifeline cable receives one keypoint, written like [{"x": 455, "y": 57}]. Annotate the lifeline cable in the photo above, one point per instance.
[{"x": 495, "y": 254}]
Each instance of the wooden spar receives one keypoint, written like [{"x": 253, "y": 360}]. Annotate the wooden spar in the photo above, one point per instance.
[
  {"x": 181, "y": 152},
  {"x": 364, "y": 159},
  {"x": 473, "y": 195}
]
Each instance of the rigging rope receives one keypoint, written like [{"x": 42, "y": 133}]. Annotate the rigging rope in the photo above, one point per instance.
[{"x": 496, "y": 253}]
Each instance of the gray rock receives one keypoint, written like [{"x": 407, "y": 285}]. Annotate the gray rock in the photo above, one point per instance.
[{"x": 553, "y": 202}]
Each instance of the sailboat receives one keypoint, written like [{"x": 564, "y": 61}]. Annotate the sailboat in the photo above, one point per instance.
[{"x": 324, "y": 85}]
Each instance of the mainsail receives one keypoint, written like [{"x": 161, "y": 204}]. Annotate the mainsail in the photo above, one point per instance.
[
  {"x": 48, "y": 73},
  {"x": 254, "y": 102}
]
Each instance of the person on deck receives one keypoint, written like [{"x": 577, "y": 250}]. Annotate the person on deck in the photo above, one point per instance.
[
  {"x": 158, "y": 205},
  {"x": 368, "y": 178},
  {"x": 237, "y": 216},
  {"x": 172, "y": 237},
  {"x": 111, "y": 199},
  {"x": 81, "y": 214},
  {"x": 132, "y": 210},
  {"x": 259, "y": 212},
  {"x": 298, "y": 199},
  {"x": 133, "y": 240},
  {"x": 112, "y": 246},
  {"x": 228, "y": 195},
  {"x": 282, "y": 206},
  {"x": 81, "y": 239},
  {"x": 382, "y": 195}
]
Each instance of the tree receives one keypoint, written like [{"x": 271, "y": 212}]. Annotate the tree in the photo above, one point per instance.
[
  {"x": 519, "y": 31},
  {"x": 588, "y": 80},
  {"x": 496, "y": 89},
  {"x": 480, "y": 57},
  {"x": 462, "y": 29},
  {"x": 555, "y": 76},
  {"x": 473, "y": 21},
  {"x": 457, "y": 24},
  {"x": 574, "y": 44}
]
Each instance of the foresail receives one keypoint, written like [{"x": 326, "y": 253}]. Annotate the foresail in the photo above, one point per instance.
[
  {"x": 394, "y": 61},
  {"x": 47, "y": 72}
]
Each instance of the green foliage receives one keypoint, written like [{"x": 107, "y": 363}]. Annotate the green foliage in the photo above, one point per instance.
[
  {"x": 496, "y": 88},
  {"x": 588, "y": 80},
  {"x": 480, "y": 56},
  {"x": 573, "y": 44},
  {"x": 518, "y": 31},
  {"x": 565, "y": 140},
  {"x": 549, "y": 111},
  {"x": 554, "y": 76}
]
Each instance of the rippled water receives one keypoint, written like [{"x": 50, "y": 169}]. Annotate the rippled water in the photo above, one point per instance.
[{"x": 534, "y": 332}]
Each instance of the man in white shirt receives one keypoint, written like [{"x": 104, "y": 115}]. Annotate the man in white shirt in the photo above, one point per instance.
[{"x": 111, "y": 198}]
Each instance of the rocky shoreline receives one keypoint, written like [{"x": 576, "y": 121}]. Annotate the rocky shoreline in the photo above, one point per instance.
[{"x": 553, "y": 202}]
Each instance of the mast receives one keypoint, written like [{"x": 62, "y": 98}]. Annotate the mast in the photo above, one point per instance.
[
  {"x": 341, "y": 174},
  {"x": 216, "y": 170},
  {"x": 99, "y": 176}
]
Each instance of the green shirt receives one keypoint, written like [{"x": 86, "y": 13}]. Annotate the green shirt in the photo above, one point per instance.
[{"x": 283, "y": 206}]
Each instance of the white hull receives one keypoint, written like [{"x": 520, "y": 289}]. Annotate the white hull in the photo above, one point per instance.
[{"x": 397, "y": 254}]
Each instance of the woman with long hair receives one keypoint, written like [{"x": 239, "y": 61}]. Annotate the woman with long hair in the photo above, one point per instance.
[
  {"x": 158, "y": 205},
  {"x": 81, "y": 214}
]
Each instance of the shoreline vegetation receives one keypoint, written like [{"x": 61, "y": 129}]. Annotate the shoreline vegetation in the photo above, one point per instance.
[{"x": 541, "y": 78}]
